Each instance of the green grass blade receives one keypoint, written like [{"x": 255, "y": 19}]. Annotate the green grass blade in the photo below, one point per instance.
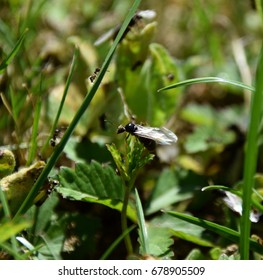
[
  {"x": 7, "y": 214},
  {"x": 207, "y": 80},
  {"x": 143, "y": 235},
  {"x": 37, "y": 110},
  {"x": 259, "y": 6},
  {"x": 11, "y": 251},
  {"x": 220, "y": 230},
  {"x": 59, "y": 148},
  {"x": 4, "y": 203},
  {"x": 68, "y": 82},
  {"x": 8, "y": 107},
  {"x": 114, "y": 244},
  {"x": 48, "y": 243},
  {"x": 251, "y": 154},
  {"x": 13, "y": 53},
  {"x": 11, "y": 229}
]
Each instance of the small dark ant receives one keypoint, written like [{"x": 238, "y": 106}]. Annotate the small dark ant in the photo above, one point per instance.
[
  {"x": 46, "y": 191},
  {"x": 94, "y": 75},
  {"x": 56, "y": 135}
]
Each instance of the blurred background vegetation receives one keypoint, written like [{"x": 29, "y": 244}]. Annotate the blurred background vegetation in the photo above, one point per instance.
[{"x": 186, "y": 39}]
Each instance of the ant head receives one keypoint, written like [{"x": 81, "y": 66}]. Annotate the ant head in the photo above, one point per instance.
[
  {"x": 121, "y": 129},
  {"x": 130, "y": 127}
]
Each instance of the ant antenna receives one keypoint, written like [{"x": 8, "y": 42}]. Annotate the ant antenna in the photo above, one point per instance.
[{"x": 126, "y": 109}]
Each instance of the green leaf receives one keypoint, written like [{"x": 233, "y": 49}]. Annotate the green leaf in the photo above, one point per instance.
[
  {"x": 163, "y": 69},
  {"x": 93, "y": 183},
  {"x": 160, "y": 241},
  {"x": 118, "y": 161},
  {"x": 76, "y": 151},
  {"x": 52, "y": 242},
  {"x": 93, "y": 179},
  {"x": 137, "y": 157},
  {"x": 44, "y": 214},
  {"x": 204, "y": 138},
  {"x": 199, "y": 114},
  {"x": 164, "y": 63},
  {"x": 215, "y": 253},
  {"x": 156, "y": 71},
  {"x": 202, "y": 114},
  {"x": 195, "y": 254},
  {"x": 167, "y": 191},
  {"x": 184, "y": 230}
]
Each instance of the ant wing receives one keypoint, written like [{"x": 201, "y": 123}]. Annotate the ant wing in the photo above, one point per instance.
[
  {"x": 112, "y": 33},
  {"x": 106, "y": 36},
  {"x": 147, "y": 14},
  {"x": 161, "y": 136}
]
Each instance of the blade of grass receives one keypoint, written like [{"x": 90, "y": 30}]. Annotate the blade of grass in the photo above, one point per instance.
[
  {"x": 116, "y": 242},
  {"x": 7, "y": 214},
  {"x": 220, "y": 230},
  {"x": 251, "y": 154},
  {"x": 12, "y": 54},
  {"x": 68, "y": 82},
  {"x": 11, "y": 251},
  {"x": 259, "y": 6},
  {"x": 142, "y": 226},
  {"x": 59, "y": 148},
  {"x": 8, "y": 107},
  {"x": 4, "y": 203},
  {"x": 207, "y": 80},
  {"x": 37, "y": 110},
  {"x": 49, "y": 247}
]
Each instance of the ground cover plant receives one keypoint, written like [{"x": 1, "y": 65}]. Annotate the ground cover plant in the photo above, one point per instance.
[{"x": 74, "y": 188}]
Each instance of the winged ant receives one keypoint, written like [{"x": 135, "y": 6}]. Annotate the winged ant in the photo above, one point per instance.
[{"x": 112, "y": 33}]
